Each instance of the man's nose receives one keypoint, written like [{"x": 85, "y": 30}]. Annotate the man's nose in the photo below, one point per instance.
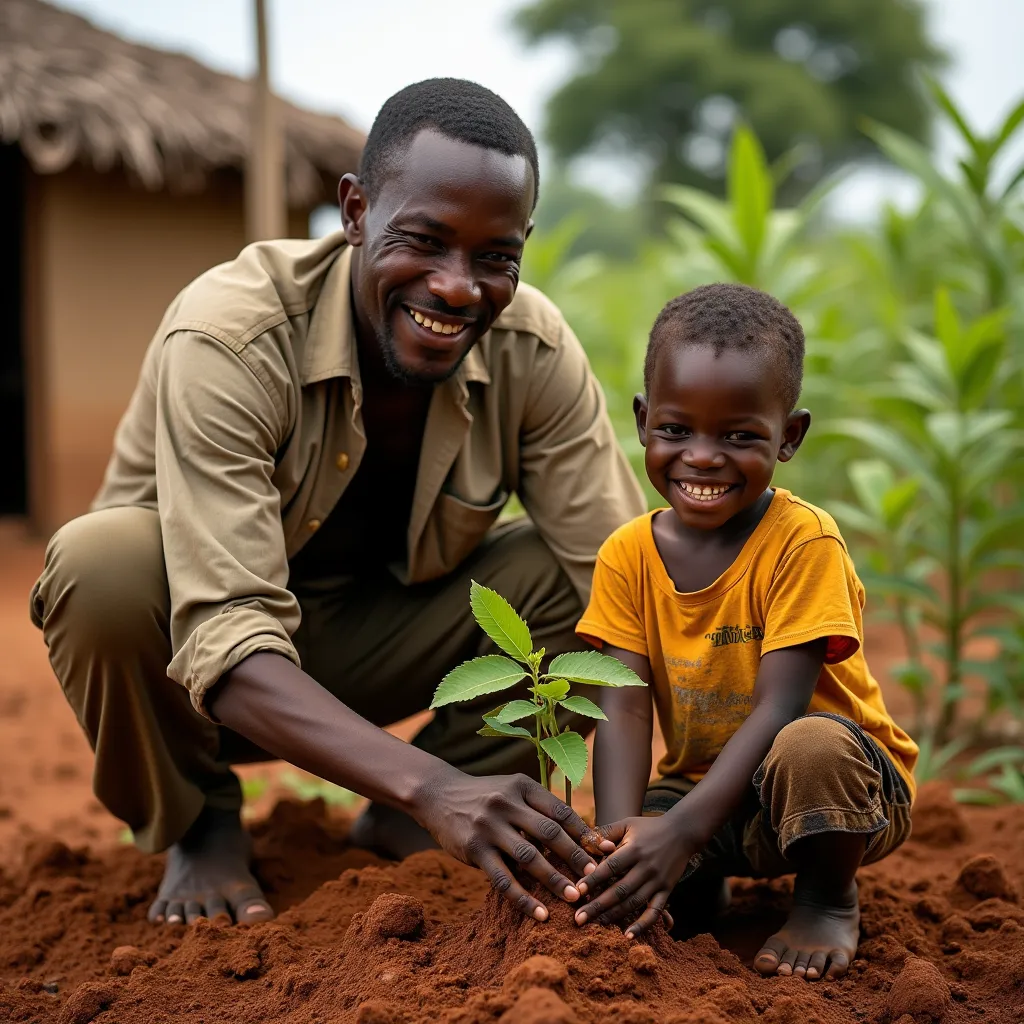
[
  {"x": 453, "y": 282},
  {"x": 703, "y": 454}
]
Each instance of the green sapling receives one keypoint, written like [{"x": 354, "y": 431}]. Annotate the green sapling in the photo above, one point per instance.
[{"x": 493, "y": 672}]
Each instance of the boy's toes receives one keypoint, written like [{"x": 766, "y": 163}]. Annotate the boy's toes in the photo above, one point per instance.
[
  {"x": 803, "y": 958},
  {"x": 770, "y": 957},
  {"x": 839, "y": 964},
  {"x": 817, "y": 964},
  {"x": 787, "y": 962}
]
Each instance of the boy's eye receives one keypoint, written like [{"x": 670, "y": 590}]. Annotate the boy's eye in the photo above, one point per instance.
[
  {"x": 743, "y": 435},
  {"x": 674, "y": 429}
]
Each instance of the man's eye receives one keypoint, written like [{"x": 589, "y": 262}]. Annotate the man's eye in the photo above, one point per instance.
[
  {"x": 500, "y": 257},
  {"x": 427, "y": 241}
]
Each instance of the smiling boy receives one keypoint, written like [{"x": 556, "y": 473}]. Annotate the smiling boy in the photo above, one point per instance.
[{"x": 740, "y": 605}]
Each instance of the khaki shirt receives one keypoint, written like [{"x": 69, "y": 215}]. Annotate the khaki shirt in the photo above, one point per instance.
[{"x": 245, "y": 429}]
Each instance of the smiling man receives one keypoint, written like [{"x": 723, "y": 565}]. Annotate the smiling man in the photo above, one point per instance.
[{"x": 306, "y": 480}]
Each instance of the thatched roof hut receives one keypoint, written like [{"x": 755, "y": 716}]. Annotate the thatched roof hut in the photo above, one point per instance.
[
  {"x": 70, "y": 92},
  {"x": 121, "y": 179}
]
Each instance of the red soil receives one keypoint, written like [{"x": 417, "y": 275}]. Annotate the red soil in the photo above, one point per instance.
[
  {"x": 371, "y": 942},
  {"x": 361, "y": 940}
]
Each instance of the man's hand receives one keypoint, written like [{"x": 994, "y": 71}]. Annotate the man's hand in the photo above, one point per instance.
[
  {"x": 482, "y": 821},
  {"x": 650, "y": 857}
]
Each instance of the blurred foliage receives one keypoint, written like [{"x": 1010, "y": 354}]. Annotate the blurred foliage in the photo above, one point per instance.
[
  {"x": 664, "y": 80},
  {"x": 914, "y": 374}
]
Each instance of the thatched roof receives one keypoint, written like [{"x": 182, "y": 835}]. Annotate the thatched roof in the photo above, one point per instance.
[{"x": 72, "y": 92}]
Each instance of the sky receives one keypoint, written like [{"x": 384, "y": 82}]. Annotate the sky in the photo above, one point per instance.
[{"x": 348, "y": 58}]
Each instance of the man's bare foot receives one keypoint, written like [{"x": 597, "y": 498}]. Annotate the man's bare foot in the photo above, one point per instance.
[
  {"x": 819, "y": 938},
  {"x": 207, "y": 875},
  {"x": 389, "y": 833}
]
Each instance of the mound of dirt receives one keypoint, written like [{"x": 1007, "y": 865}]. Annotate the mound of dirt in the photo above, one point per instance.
[{"x": 365, "y": 941}]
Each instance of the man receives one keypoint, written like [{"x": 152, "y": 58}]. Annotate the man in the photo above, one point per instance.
[{"x": 309, "y": 474}]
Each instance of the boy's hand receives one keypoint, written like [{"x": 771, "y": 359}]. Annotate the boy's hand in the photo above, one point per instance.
[{"x": 637, "y": 878}]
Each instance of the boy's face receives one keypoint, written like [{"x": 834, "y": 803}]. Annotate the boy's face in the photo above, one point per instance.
[{"x": 713, "y": 428}]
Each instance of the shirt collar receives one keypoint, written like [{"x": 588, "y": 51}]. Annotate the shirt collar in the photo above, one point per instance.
[{"x": 331, "y": 340}]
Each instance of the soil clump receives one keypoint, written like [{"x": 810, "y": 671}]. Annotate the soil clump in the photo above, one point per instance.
[{"x": 362, "y": 940}]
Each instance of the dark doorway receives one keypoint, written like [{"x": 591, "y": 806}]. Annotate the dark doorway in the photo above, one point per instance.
[{"x": 13, "y": 461}]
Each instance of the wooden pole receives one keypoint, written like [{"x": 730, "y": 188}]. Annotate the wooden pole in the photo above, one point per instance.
[{"x": 265, "y": 202}]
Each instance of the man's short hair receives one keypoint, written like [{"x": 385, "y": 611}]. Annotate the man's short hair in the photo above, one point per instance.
[
  {"x": 733, "y": 316},
  {"x": 456, "y": 108}
]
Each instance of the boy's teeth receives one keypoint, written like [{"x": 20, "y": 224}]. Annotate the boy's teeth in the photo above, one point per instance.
[
  {"x": 435, "y": 325},
  {"x": 705, "y": 493}
]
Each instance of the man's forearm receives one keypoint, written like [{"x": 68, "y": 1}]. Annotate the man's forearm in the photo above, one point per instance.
[{"x": 286, "y": 712}]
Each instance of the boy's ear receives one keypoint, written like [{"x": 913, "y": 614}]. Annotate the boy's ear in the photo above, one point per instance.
[
  {"x": 640, "y": 412},
  {"x": 797, "y": 425}
]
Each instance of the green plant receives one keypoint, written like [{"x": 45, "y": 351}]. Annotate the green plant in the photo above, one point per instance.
[
  {"x": 493, "y": 673},
  {"x": 1006, "y": 783},
  {"x": 932, "y": 501}
]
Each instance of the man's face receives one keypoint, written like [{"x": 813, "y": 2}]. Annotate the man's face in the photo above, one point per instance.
[{"x": 438, "y": 251}]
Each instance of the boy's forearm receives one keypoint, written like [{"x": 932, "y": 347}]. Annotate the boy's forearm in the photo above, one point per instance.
[
  {"x": 715, "y": 798},
  {"x": 622, "y": 766}
]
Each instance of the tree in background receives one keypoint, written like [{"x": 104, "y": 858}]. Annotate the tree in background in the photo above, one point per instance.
[{"x": 664, "y": 81}]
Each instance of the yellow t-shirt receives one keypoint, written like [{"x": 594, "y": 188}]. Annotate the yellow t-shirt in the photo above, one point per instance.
[{"x": 793, "y": 582}]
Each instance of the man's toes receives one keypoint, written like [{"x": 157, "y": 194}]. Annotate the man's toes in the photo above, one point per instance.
[
  {"x": 175, "y": 912},
  {"x": 251, "y": 907},
  {"x": 803, "y": 958},
  {"x": 840, "y": 964},
  {"x": 157, "y": 911},
  {"x": 767, "y": 961},
  {"x": 193, "y": 911},
  {"x": 817, "y": 964},
  {"x": 217, "y": 908}
]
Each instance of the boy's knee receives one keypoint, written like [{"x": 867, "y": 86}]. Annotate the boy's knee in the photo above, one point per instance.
[
  {"x": 104, "y": 578},
  {"x": 814, "y": 740}
]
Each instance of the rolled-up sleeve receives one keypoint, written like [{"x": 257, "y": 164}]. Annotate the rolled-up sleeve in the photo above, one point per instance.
[
  {"x": 575, "y": 481},
  {"x": 218, "y": 426}
]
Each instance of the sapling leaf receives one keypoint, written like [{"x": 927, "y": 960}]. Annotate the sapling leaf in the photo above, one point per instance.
[
  {"x": 498, "y": 619},
  {"x": 569, "y": 751},
  {"x": 503, "y": 729},
  {"x": 514, "y": 710},
  {"x": 594, "y": 668},
  {"x": 488, "y": 674},
  {"x": 555, "y": 689},
  {"x": 583, "y": 706}
]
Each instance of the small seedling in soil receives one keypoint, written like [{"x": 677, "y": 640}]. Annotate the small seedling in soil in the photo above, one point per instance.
[{"x": 492, "y": 673}]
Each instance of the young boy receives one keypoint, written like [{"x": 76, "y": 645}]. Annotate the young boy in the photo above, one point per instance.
[{"x": 739, "y": 605}]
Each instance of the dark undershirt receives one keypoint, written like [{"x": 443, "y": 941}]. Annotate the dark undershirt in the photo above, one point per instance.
[{"x": 366, "y": 530}]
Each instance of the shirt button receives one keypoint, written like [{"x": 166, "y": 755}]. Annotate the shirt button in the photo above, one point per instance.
[
  {"x": 342, "y": 461},
  {"x": 313, "y": 525}
]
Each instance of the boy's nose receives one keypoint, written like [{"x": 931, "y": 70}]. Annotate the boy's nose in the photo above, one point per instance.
[{"x": 703, "y": 456}]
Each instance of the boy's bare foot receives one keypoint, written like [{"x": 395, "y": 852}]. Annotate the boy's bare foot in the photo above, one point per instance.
[
  {"x": 819, "y": 939},
  {"x": 207, "y": 875}
]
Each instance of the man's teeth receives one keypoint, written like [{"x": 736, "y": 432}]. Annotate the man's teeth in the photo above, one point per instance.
[
  {"x": 705, "y": 493},
  {"x": 435, "y": 325}
]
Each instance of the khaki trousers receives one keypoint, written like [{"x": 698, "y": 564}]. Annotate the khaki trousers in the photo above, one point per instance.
[{"x": 102, "y": 603}]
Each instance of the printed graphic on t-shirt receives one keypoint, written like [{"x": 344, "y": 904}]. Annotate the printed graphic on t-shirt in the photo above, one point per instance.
[
  {"x": 725, "y": 635},
  {"x": 710, "y": 704}
]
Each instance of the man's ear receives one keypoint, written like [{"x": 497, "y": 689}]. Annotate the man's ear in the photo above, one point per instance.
[
  {"x": 797, "y": 425},
  {"x": 353, "y": 204},
  {"x": 640, "y": 412}
]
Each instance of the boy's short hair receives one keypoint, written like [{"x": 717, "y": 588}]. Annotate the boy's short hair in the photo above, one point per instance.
[
  {"x": 454, "y": 107},
  {"x": 733, "y": 316}
]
